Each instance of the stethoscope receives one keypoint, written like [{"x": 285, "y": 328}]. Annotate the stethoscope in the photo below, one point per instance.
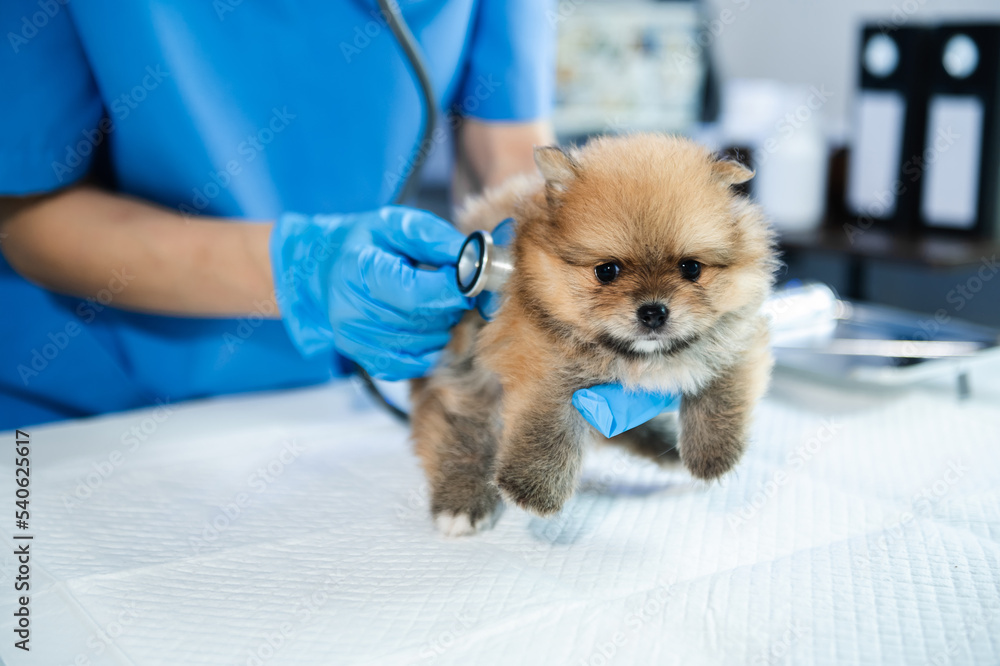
[{"x": 484, "y": 263}]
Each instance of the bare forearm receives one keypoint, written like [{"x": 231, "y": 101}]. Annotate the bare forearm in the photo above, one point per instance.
[
  {"x": 497, "y": 151},
  {"x": 85, "y": 242}
]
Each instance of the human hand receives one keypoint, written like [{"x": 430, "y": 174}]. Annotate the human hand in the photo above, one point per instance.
[
  {"x": 613, "y": 410},
  {"x": 351, "y": 283}
]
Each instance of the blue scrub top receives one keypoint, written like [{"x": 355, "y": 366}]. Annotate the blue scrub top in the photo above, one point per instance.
[{"x": 225, "y": 108}]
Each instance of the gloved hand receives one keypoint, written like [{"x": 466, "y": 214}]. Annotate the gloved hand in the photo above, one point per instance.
[
  {"x": 613, "y": 410},
  {"x": 350, "y": 283}
]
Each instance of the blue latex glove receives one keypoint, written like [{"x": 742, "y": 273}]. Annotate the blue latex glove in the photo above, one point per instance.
[
  {"x": 613, "y": 410},
  {"x": 349, "y": 283}
]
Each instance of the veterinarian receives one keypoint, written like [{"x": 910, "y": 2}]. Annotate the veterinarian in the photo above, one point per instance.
[{"x": 196, "y": 198}]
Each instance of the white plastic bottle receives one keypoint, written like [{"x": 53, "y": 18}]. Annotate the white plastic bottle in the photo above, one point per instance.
[{"x": 791, "y": 181}]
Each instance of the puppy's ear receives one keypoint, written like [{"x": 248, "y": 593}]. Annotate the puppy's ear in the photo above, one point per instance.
[
  {"x": 558, "y": 167},
  {"x": 730, "y": 172}
]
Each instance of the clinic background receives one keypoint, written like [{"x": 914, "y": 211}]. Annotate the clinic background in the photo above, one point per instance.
[
  {"x": 817, "y": 42},
  {"x": 795, "y": 46}
]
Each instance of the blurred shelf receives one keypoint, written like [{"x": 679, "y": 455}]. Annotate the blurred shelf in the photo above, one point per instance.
[{"x": 931, "y": 251}]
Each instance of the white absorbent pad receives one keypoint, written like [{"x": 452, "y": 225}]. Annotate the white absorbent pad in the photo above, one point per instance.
[{"x": 292, "y": 528}]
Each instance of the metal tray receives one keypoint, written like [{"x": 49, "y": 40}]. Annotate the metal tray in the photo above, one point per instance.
[{"x": 872, "y": 325}]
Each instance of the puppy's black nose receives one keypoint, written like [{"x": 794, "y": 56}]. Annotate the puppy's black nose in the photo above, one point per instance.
[{"x": 653, "y": 316}]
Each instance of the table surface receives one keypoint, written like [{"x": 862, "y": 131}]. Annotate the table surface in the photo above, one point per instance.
[{"x": 863, "y": 526}]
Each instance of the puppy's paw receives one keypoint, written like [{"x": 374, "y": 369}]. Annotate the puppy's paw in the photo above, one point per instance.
[
  {"x": 462, "y": 510},
  {"x": 709, "y": 461},
  {"x": 465, "y": 524},
  {"x": 532, "y": 492}
]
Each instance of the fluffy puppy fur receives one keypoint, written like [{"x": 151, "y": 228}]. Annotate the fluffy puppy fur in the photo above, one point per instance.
[{"x": 693, "y": 262}]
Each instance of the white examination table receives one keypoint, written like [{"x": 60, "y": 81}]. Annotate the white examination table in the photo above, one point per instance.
[{"x": 291, "y": 528}]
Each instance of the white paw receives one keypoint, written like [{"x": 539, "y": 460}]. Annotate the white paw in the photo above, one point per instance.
[{"x": 459, "y": 524}]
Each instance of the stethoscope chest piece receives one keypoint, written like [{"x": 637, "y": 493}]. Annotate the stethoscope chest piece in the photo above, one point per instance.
[{"x": 484, "y": 264}]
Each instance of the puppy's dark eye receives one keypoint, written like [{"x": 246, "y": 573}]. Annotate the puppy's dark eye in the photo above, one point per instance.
[
  {"x": 607, "y": 272},
  {"x": 690, "y": 270}
]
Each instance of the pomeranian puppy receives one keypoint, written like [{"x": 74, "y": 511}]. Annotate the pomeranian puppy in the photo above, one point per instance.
[{"x": 634, "y": 262}]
